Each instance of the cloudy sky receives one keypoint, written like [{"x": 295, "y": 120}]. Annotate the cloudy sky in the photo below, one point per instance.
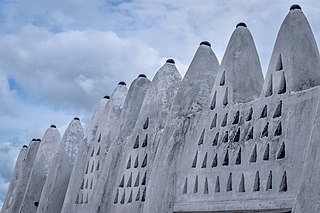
[{"x": 59, "y": 57}]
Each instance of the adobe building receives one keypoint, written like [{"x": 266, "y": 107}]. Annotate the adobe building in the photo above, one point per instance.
[{"x": 222, "y": 139}]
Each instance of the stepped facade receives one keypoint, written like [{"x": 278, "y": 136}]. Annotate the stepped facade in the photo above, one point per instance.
[{"x": 221, "y": 139}]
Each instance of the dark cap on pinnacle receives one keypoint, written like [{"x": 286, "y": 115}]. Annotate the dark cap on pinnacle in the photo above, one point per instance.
[
  {"x": 207, "y": 43},
  {"x": 142, "y": 76},
  {"x": 53, "y": 126},
  {"x": 76, "y": 118},
  {"x": 25, "y": 146},
  {"x": 241, "y": 24},
  {"x": 38, "y": 139},
  {"x": 170, "y": 61},
  {"x": 122, "y": 83},
  {"x": 107, "y": 97},
  {"x": 34, "y": 139},
  {"x": 295, "y": 7}
]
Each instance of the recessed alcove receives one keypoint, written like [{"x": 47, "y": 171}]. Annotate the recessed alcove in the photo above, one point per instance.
[{"x": 279, "y": 65}]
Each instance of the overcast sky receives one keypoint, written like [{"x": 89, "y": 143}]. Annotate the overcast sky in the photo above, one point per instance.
[{"x": 58, "y": 58}]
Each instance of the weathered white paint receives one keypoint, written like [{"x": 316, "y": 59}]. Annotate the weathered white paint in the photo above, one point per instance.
[
  {"x": 143, "y": 142},
  {"x": 220, "y": 140},
  {"x": 14, "y": 184},
  {"x": 57, "y": 181},
  {"x": 189, "y": 103},
  {"x": 105, "y": 108},
  {"x": 128, "y": 118},
  {"x": 24, "y": 177},
  {"x": 46, "y": 152}
]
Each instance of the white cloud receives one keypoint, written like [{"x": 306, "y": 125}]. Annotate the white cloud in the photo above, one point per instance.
[
  {"x": 85, "y": 83},
  {"x": 6, "y": 96},
  {"x": 65, "y": 68}
]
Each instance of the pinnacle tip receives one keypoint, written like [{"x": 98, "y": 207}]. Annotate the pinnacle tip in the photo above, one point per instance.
[
  {"x": 295, "y": 7},
  {"x": 142, "y": 76},
  {"x": 170, "y": 61},
  {"x": 241, "y": 24},
  {"x": 207, "y": 43}
]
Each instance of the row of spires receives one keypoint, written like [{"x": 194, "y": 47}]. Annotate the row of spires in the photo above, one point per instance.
[
  {"x": 171, "y": 61},
  {"x": 51, "y": 126},
  {"x": 244, "y": 73},
  {"x": 248, "y": 66}
]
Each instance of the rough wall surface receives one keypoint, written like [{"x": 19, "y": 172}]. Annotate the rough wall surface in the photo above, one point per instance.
[
  {"x": 108, "y": 106},
  {"x": 14, "y": 185},
  {"x": 189, "y": 102},
  {"x": 222, "y": 139},
  {"x": 129, "y": 193},
  {"x": 295, "y": 56},
  {"x": 308, "y": 193},
  {"x": 23, "y": 179},
  {"x": 52, "y": 197},
  {"x": 122, "y": 125},
  {"x": 128, "y": 117},
  {"x": 45, "y": 154}
]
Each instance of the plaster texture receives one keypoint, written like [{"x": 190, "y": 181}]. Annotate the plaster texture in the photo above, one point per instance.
[
  {"x": 308, "y": 192},
  {"x": 129, "y": 192},
  {"x": 45, "y": 154},
  {"x": 14, "y": 185},
  {"x": 222, "y": 139},
  {"x": 20, "y": 188},
  {"x": 191, "y": 99},
  {"x": 52, "y": 197},
  {"x": 240, "y": 159},
  {"x": 296, "y": 54},
  {"x": 128, "y": 118},
  {"x": 92, "y": 139},
  {"x": 122, "y": 124}
]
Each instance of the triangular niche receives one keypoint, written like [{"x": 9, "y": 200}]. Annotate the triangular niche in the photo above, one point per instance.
[
  {"x": 282, "y": 85},
  {"x": 278, "y": 111},
  {"x": 201, "y": 137},
  {"x": 215, "y": 140},
  {"x": 215, "y": 161},
  {"x": 136, "y": 143},
  {"x": 225, "y": 120},
  {"x": 266, "y": 153},
  {"x": 223, "y": 78},
  {"x": 256, "y": 186},
  {"x": 225, "y": 97},
  {"x": 196, "y": 186},
  {"x": 213, "y": 102},
  {"x": 253, "y": 157},
  {"x": 269, "y": 90},
  {"x": 145, "y": 141},
  {"x": 242, "y": 184},
  {"x": 238, "y": 160},
  {"x": 195, "y": 159},
  {"x": 226, "y": 159},
  {"x": 279, "y": 65},
  {"x": 217, "y": 187},
  {"x": 269, "y": 181},
  {"x": 214, "y": 121},
  {"x": 204, "y": 162},
  {"x": 206, "y": 187},
  {"x": 185, "y": 187},
  {"x": 229, "y": 183},
  {"x": 283, "y": 185}
]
